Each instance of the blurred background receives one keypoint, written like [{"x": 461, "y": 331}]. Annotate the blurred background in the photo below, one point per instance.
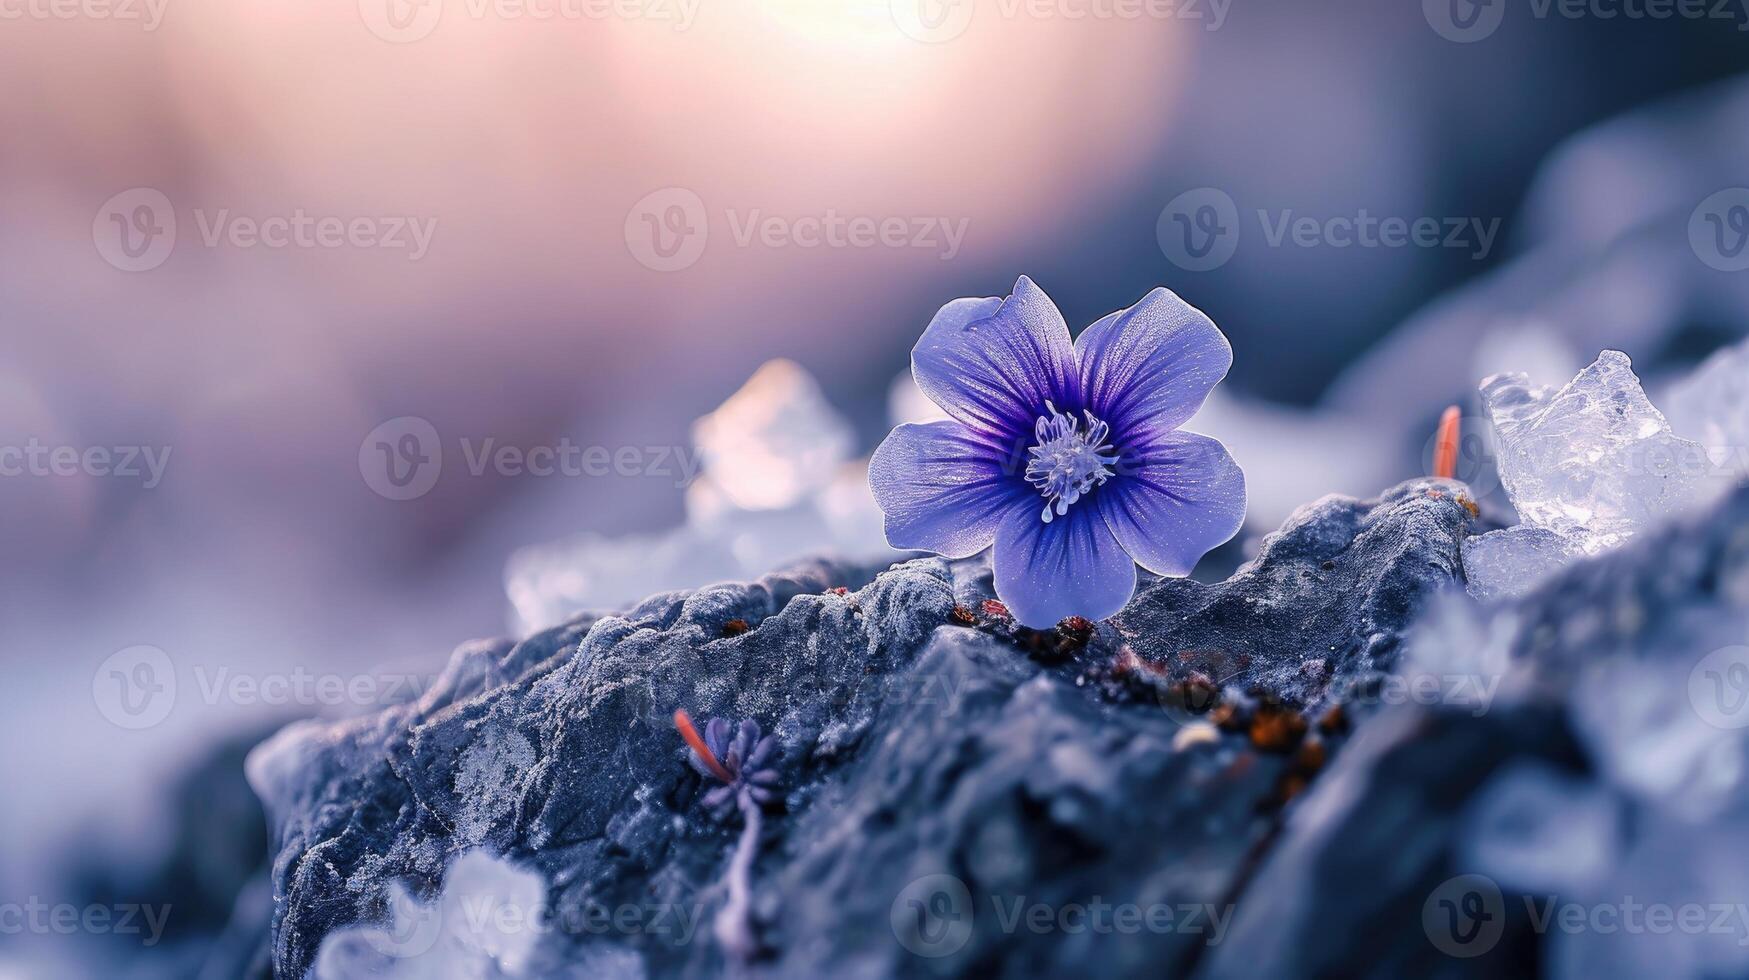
[{"x": 261, "y": 263}]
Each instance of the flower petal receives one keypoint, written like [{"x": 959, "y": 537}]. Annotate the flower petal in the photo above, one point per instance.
[
  {"x": 942, "y": 488},
  {"x": 993, "y": 363},
  {"x": 1069, "y": 567},
  {"x": 1151, "y": 366},
  {"x": 1177, "y": 498}
]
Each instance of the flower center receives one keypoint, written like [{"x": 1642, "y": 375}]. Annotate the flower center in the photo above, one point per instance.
[{"x": 1070, "y": 459}]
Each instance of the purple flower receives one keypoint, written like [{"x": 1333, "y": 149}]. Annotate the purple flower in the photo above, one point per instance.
[
  {"x": 734, "y": 755},
  {"x": 1065, "y": 456}
]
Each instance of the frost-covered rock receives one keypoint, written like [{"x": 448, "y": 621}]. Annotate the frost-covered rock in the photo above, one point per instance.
[
  {"x": 1606, "y": 780},
  {"x": 929, "y": 751},
  {"x": 1590, "y": 464}
]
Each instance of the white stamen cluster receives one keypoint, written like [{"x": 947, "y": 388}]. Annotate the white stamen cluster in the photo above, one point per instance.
[{"x": 1071, "y": 458}]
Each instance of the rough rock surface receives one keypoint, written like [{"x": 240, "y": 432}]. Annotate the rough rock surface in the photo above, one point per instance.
[
  {"x": 1144, "y": 760},
  {"x": 1606, "y": 775}
]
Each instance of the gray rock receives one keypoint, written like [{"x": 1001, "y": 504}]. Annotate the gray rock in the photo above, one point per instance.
[
  {"x": 1614, "y": 745},
  {"x": 921, "y": 734}
]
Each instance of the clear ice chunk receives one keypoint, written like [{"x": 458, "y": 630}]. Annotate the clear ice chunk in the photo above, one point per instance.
[
  {"x": 1593, "y": 462},
  {"x": 1513, "y": 561},
  {"x": 1589, "y": 464},
  {"x": 1711, "y": 407},
  {"x": 778, "y": 484},
  {"x": 775, "y": 441}
]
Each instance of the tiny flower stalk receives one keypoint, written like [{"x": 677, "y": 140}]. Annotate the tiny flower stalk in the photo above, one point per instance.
[
  {"x": 740, "y": 759},
  {"x": 1445, "y": 451}
]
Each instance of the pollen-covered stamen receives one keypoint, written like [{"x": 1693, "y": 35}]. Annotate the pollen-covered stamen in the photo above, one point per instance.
[{"x": 1070, "y": 458}]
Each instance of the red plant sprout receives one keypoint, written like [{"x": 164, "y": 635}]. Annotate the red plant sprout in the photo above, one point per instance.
[
  {"x": 683, "y": 722},
  {"x": 1445, "y": 450},
  {"x": 743, "y": 762}
]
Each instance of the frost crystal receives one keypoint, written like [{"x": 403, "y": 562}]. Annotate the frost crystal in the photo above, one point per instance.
[
  {"x": 774, "y": 442},
  {"x": 1593, "y": 462},
  {"x": 484, "y": 924},
  {"x": 776, "y": 484},
  {"x": 1590, "y": 464},
  {"x": 1514, "y": 560},
  {"x": 1711, "y": 406}
]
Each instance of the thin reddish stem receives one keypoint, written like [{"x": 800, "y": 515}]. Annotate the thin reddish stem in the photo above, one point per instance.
[
  {"x": 1446, "y": 446},
  {"x": 684, "y": 723}
]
